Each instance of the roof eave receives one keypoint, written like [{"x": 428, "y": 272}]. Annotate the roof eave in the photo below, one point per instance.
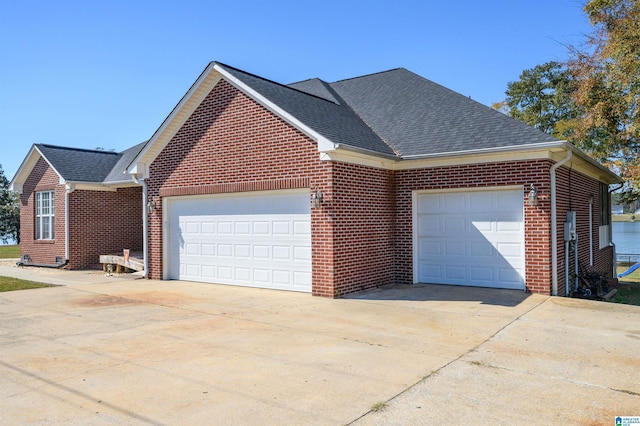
[
  {"x": 560, "y": 145},
  {"x": 26, "y": 167}
]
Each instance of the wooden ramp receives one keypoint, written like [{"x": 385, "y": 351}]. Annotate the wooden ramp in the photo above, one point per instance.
[{"x": 135, "y": 262}]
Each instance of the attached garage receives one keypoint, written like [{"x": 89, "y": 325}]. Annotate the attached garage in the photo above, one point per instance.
[
  {"x": 256, "y": 239},
  {"x": 473, "y": 238}
]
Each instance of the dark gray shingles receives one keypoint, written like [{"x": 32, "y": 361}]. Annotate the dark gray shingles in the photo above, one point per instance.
[
  {"x": 316, "y": 87},
  {"x": 419, "y": 117},
  {"x": 84, "y": 165},
  {"x": 337, "y": 123},
  {"x": 80, "y": 165},
  {"x": 118, "y": 172}
]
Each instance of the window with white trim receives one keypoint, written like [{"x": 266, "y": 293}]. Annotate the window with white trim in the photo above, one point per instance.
[
  {"x": 45, "y": 215},
  {"x": 604, "y": 231}
]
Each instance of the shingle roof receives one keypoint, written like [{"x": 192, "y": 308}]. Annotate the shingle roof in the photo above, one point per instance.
[
  {"x": 119, "y": 171},
  {"x": 84, "y": 165},
  {"x": 337, "y": 123},
  {"x": 419, "y": 117},
  {"x": 394, "y": 112}
]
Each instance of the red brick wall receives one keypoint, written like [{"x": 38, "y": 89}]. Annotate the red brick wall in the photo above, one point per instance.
[
  {"x": 573, "y": 191},
  {"x": 525, "y": 173},
  {"x": 229, "y": 144},
  {"x": 103, "y": 222},
  {"x": 100, "y": 222},
  {"x": 42, "y": 178},
  {"x": 362, "y": 210}
]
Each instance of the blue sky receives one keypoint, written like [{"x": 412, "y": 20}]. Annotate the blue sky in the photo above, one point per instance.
[{"x": 106, "y": 73}]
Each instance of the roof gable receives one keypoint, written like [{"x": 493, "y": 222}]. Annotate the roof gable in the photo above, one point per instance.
[
  {"x": 74, "y": 165},
  {"x": 79, "y": 165}
]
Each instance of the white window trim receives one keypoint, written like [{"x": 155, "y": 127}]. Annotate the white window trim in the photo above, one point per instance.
[{"x": 45, "y": 216}]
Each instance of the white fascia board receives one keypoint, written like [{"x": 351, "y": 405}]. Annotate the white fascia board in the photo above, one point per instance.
[
  {"x": 25, "y": 169},
  {"x": 90, "y": 186},
  {"x": 363, "y": 157},
  {"x": 347, "y": 154},
  {"x": 510, "y": 148},
  {"x": 471, "y": 157},
  {"x": 324, "y": 144},
  {"x": 123, "y": 183},
  {"x": 174, "y": 121},
  {"x": 607, "y": 175}
]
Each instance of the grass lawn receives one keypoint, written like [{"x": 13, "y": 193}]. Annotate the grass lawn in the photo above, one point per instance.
[
  {"x": 629, "y": 291},
  {"x": 627, "y": 217},
  {"x": 10, "y": 251},
  {"x": 11, "y": 284}
]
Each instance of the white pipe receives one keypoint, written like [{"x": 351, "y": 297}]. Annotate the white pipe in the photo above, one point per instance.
[
  {"x": 554, "y": 229},
  {"x": 576, "y": 264},
  {"x": 567, "y": 244},
  {"x": 145, "y": 229},
  {"x": 69, "y": 188},
  {"x": 591, "y": 230}
]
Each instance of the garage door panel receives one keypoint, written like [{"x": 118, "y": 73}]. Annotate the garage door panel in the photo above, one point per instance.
[
  {"x": 302, "y": 253},
  {"x": 454, "y": 224},
  {"x": 242, "y": 228},
  {"x": 261, "y": 227},
  {"x": 453, "y": 202},
  {"x": 455, "y": 248},
  {"x": 483, "y": 274},
  {"x": 208, "y": 272},
  {"x": 470, "y": 238},
  {"x": 481, "y": 249},
  {"x": 261, "y": 252},
  {"x": 208, "y": 250},
  {"x": 251, "y": 239},
  {"x": 208, "y": 228}
]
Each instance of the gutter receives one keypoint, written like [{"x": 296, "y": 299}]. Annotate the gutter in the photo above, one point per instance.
[
  {"x": 145, "y": 228},
  {"x": 69, "y": 188},
  {"x": 554, "y": 225},
  {"x": 529, "y": 147}
]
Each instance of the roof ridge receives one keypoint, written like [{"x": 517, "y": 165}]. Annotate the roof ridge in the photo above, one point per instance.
[
  {"x": 277, "y": 83},
  {"x": 370, "y": 74},
  {"x": 71, "y": 148}
]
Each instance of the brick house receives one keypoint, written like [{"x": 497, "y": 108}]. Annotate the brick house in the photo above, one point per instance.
[
  {"x": 76, "y": 204},
  {"x": 334, "y": 188}
]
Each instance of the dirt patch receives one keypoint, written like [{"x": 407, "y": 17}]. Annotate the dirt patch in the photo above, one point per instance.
[
  {"x": 163, "y": 298},
  {"x": 104, "y": 300}
]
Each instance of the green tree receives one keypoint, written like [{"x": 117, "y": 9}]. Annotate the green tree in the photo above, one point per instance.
[
  {"x": 9, "y": 211},
  {"x": 606, "y": 69},
  {"x": 542, "y": 98}
]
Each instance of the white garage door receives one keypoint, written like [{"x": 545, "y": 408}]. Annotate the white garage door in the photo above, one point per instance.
[
  {"x": 473, "y": 238},
  {"x": 256, "y": 239}
]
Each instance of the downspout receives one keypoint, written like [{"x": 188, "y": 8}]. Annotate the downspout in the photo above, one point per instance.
[
  {"x": 145, "y": 224},
  {"x": 591, "y": 230},
  {"x": 554, "y": 225},
  {"x": 69, "y": 188},
  {"x": 611, "y": 243},
  {"x": 145, "y": 229}
]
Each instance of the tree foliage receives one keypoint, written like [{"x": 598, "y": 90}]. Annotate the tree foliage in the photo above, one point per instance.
[
  {"x": 9, "y": 211},
  {"x": 607, "y": 74},
  {"x": 542, "y": 98},
  {"x": 593, "y": 99}
]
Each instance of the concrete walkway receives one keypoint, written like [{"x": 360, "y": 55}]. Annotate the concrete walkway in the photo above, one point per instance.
[{"x": 110, "y": 350}]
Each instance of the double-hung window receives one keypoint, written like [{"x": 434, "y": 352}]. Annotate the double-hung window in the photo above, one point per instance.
[{"x": 45, "y": 215}]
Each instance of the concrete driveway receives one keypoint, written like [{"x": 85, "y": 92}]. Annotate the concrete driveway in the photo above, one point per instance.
[{"x": 107, "y": 350}]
